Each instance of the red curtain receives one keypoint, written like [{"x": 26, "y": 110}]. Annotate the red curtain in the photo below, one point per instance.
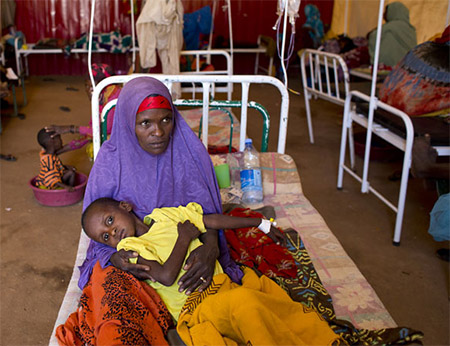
[{"x": 69, "y": 19}]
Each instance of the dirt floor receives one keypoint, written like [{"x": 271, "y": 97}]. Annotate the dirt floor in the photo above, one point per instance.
[{"x": 38, "y": 244}]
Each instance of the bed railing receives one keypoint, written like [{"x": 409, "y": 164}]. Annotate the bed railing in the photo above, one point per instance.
[
  {"x": 21, "y": 55},
  {"x": 327, "y": 73},
  {"x": 404, "y": 144},
  {"x": 227, "y": 88},
  {"x": 222, "y": 105},
  {"x": 207, "y": 83},
  {"x": 374, "y": 127}
]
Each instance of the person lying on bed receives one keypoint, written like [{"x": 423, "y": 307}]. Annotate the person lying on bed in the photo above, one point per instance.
[
  {"x": 262, "y": 313},
  {"x": 420, "y": 83}
]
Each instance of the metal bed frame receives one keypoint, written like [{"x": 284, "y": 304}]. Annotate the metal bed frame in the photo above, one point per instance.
[
  {"x": 207, "y": 82},
  {"x": 73, "y": 293},
  {"x": 222, "y": 105},
  {"x": 22, "y": 54},
  {"x": 330, "y": 91},
  {"x": 403, "y": 143}
]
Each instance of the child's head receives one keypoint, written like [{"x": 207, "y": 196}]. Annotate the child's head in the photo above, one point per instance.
[
  {"x": 108, "y": 221},
  {"x": 49, "y": 140}
]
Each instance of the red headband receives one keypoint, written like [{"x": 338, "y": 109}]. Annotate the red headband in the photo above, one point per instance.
[{"x": 152, "y": 102}]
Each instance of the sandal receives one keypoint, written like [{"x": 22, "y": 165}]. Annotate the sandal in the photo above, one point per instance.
[{"x": 8, "y": 157}]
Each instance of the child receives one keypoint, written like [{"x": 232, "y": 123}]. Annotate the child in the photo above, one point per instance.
[
  {"x": 111, "y": 92},
  {"x": 262, "y": 313},
  {"x": 53, "y": 173}
]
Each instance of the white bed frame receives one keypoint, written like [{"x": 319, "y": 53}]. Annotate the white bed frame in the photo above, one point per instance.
[
  {"x": 331, "y": 90},
  {"x": 73, "y": 293},
  {"x": 316, "y": 60},
  {"x": 207, "y": 82},
  {"x": 22, "y": 54}
]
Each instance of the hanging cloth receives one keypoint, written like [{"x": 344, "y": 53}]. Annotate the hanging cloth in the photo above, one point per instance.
[
  {"x": 196, "y": 23},
  {"x": 160, "y": 28}
]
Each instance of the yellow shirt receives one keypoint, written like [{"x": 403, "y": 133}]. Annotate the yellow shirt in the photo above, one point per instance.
[{"x": 157, "y": 245}]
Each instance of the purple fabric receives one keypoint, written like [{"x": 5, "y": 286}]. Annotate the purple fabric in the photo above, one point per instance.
[{"x": 124, "y": 171}]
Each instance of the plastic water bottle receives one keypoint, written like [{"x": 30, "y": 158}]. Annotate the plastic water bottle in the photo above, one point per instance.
[{"x": 251, "y": 178}]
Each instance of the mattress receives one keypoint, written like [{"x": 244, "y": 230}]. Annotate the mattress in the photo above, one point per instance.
[{"x": 353, "y": 297}]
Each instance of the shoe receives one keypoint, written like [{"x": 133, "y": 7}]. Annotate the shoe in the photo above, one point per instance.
[
  {"x": 8, "y": 157},
  {"x": 443, "y": 254}
]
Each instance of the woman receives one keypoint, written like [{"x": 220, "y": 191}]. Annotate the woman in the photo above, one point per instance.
[
  {"x": 153, "y": 159},
  {"x": 398, "y": 36}
]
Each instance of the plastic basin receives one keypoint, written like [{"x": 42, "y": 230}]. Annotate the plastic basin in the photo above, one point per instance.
[{"x": 61, "y": 197}]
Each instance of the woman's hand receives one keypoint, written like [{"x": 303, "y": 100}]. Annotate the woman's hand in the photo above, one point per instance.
[
  {"x": 200, "y": 264},
  {"x": 277, "y": 236},
  {"x": 120, "y": 260}
]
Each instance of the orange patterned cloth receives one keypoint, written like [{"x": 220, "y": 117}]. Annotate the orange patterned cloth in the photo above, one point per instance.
[
  {"x": 251, "y": 247},
  {"x": 129, "y": 312},
  {"x": 51, "y": 171}
]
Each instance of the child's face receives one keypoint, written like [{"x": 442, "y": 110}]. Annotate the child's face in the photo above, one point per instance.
[
  {"x": 56, "y": 141},
  {"x": 108, "y": 224}
]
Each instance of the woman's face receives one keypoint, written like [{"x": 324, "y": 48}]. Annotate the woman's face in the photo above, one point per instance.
[{"x": 153, "y": 129}]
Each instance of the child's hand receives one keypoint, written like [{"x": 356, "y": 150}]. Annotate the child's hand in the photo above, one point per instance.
[
  {"x": 70, "y": 168},
  {"x": 277, "y": 236},
  {"x": 188, "y": 229}
]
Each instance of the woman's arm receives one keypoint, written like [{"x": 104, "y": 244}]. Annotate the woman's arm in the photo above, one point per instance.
[{"x": 168, "y": 272}]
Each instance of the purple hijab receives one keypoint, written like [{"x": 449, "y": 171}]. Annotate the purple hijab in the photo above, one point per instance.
[{"x": 124, "y": 171}]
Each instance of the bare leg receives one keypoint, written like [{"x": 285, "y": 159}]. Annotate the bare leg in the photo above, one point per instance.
[{"x": 69, "y": 177}]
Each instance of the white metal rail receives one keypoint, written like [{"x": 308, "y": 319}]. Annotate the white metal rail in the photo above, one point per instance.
[
  {"x": 402, "y": 143},
  {"x": 22, "y": 54},
  {"x": 328, "y": 89},
  {"x": 207, "y": 81}
]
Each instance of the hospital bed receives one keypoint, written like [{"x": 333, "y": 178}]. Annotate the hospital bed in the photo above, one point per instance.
[
  {"x": 326, "y": 76},
  {"x": 354, "y": 299},
  {"x": 23, "y": 50}
]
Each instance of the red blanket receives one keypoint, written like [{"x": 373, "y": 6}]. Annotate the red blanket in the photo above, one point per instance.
[{"x": 251, "y": 247}]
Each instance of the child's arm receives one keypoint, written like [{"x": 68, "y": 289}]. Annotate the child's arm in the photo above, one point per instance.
[
  {"x": 64, "y": 149},
  {"x": 167, "y": 273},
  {"x": 64, "y": 186},
  {"x": 220, "y": 221}
]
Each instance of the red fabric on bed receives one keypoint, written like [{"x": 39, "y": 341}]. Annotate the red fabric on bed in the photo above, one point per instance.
[
  {"x": 103, "y": 322},
  {"x": 251, "y": 247}
]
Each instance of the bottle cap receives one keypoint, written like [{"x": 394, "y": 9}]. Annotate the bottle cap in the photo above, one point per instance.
[{"x": 248, "y": 141}]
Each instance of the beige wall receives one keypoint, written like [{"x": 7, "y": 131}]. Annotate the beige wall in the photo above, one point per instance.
[{"x": 428, "y": 16}]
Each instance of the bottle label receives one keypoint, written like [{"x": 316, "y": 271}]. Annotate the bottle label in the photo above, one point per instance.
[{"x": 251, "y": 180}]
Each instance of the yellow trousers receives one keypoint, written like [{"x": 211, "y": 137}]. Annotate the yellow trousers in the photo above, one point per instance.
[{"x": 257, "y": 313}]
